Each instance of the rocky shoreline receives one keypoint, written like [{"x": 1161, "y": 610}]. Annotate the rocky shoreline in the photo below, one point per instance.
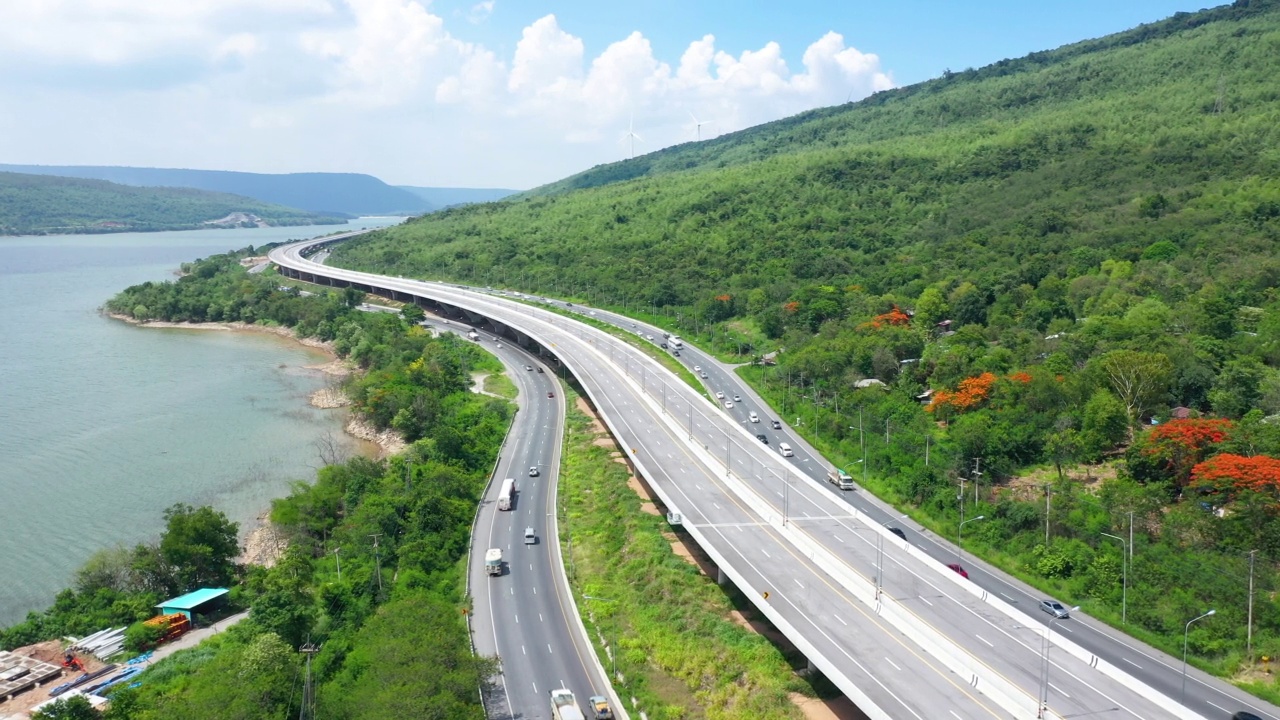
[{"x": 263, "y": 545}]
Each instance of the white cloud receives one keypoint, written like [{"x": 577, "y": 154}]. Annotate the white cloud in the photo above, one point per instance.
[
  {"x": 379, "y": 86},
  {"x": 480, "y": 12}
]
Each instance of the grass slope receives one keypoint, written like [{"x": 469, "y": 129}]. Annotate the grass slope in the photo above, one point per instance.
[{"x": 45, "y": 204}]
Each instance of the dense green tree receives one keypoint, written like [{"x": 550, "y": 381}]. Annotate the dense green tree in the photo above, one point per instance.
[{"x": 201, "y": 544}]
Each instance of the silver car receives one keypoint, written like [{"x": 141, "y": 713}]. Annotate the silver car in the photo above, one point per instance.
[{"x": 1055, "y": 608}]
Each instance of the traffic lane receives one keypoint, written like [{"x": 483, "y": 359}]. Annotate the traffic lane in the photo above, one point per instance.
[
  {"x": 945, "y": 619},
  {"x": 537, "y": 642},
  {"x": 723, "y": 510}
]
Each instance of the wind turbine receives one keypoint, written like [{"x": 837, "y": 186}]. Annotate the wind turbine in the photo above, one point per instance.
[
  {"x": 697, "y": 125},
  {"x": 631, "y": 135}
]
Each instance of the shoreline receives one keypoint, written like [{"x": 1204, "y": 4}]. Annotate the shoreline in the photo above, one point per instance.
[{"x": 262, "y": 545}]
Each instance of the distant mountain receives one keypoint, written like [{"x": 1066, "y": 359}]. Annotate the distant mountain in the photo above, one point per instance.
[
  {"x": 45, "y": 204},
  {"x": 347, "y": 193},
  {"x": 441, "y": 198}
]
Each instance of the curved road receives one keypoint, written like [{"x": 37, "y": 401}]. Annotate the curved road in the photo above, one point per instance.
[{"x": 930, "y": 645}]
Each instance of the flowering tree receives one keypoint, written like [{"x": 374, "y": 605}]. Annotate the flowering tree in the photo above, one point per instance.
[
  {"x": 971, "y": 393},
  {"x": 1171, "y": 450},
  {"x": 1231, "y": 475}
]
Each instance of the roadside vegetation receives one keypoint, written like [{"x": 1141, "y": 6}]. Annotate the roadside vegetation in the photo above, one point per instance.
[
  {"x": 371, "y": 574},
  {"x": 1054, "y": 276},
  {"x": 670, "y": 627},
  {"x": 49, "y": 205}
]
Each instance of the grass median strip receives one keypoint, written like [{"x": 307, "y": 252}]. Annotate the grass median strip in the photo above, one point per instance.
[{"x": 684, "y": 649}]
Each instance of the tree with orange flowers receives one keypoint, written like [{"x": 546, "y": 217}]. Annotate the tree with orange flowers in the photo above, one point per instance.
[
  {"x": 970, "y": 393},
  {"x": 895, "y": 317},
  {"x": 1231, "y": 475},
  {"x": 1171, "y": 450}
]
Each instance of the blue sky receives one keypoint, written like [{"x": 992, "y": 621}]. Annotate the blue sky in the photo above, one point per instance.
[{"x": 499, "y": 93}]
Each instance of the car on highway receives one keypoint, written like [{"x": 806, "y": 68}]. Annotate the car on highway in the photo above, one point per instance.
[
  {"x": 737, "y": 397},
  {"x": 719, "y": 395},
  {"x": 898, "y": 532},
  {"x": 697, "y": 368},
  {"x": 676, "y": 353},
  {"x": 1245, "y": 715},
  {"x": 762, "y": 438},
  {"x": 753, "y": 417},
  {"x": 728, "y": 404},
  {"x": 533, "y": 471},
  {"x": 551, "y": 393},
  {"x": 775, "y": 424},
  {"x": 704, "y": 374},
  {"x": 1055, "y": 608},
  {"x": 528, "y": 368},
  {"x": 529, "y": 537},
  {"x": 539, "y": 368},
  {"x": 958, "y": 570},
  {"x": 785, "y": 449}
]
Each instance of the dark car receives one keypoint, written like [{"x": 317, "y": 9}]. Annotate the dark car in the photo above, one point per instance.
[
  {"x": 1245, "y": 715},
  {"x": 898, "y": 532},
  {"x": 762, "y": 438},
  {"x": 539, "y": 368},
  {"x": 776, "y": 425},
  {"x": 959, "y": 569},
  {"x": 551, "y": 394}
]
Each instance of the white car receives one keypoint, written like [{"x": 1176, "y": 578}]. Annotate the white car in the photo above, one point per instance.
[
  {"x": 754, "y": 418},
  {"x": 719, "y": 395},
  {"x": 728, "y": 404},
  {"x": 697, "y": 368},
  {"x": 704, "y": 374},
  {"x": 737, "y": 398}
]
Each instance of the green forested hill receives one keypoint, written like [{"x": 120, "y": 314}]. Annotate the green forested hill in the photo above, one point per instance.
[
  {"x": 45, "y": 204},
  {"x": 1040, "y": 259}
]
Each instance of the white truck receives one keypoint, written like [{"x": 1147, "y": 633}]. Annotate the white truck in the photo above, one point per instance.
[
  {"x": 564, "y": 706},
  {"x": 840, "y": 479},
  {"x": 675, "y": 342},
  {"x": 473, "y": 335},
  {"x": 493, "y": 561}
]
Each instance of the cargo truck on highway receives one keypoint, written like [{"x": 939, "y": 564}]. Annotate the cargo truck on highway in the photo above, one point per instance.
[
  {"x": 600, "y": 706},
  {"x": 504, "y": 497},
  {"x": 840, "y": 479},
  {"x": 564, "y": 706},
  {"x": 493, "y": 561}
]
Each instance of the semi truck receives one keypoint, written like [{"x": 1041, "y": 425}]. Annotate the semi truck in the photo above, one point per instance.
[
  {"x": 564, "y": 706},
  {"x": 840, "y": 479},
  {"x": 493, "y": 561}
]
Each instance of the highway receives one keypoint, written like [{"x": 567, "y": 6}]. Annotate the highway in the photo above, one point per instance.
[
  {"x": 1205, "y": 694},
  {"x": 927, "y": 646},
  {"x": 525, "y": 617}
]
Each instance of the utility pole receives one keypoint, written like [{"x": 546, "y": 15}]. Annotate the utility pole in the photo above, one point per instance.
[
  {"x": 1048, "y": 491},
  {"x": 308, "y": 691},
  {"x": 977, "y": 472},
  {"x": 1248, "y": 643},
  {"x": 339, "y": 561},
  {"x": 926, "y": 449},
  {"x": 377, "y": 558}
]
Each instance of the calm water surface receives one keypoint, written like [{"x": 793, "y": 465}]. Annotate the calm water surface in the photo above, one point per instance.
[{"x": 103, "y": 425}]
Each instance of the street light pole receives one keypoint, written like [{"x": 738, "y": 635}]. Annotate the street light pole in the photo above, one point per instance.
[
  {"x": 1124, "y": 578},
  {"x": 1183, "y": 698},
  {"x": 1044, "y": 661},
  {"x": 959, "y": 530}
]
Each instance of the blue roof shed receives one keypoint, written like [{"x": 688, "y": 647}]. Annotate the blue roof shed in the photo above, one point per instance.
[{"x": 197, "y": 601}]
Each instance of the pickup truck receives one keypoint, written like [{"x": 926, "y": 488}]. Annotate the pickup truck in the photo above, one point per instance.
[
  {"x": 840, "y": 479},
  {"x": 600, "y": 706}
]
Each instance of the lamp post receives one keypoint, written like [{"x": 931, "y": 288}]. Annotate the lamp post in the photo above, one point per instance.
[
  {"x": 1183, "y": 698},
  {"x": 1124, "y": 578},
  {"x": 959, "y": 530},
  {"x": 1044, "y": 663},
  {"x": 613, "y": 651}
]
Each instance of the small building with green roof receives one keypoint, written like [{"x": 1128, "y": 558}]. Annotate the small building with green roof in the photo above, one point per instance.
[{"x": 200, "y": 602}]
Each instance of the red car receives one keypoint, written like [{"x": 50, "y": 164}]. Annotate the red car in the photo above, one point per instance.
[{"x": 959, "y": 569}]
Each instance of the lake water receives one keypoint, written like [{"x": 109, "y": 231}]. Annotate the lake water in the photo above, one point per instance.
[{"x": 103, "y": 425}]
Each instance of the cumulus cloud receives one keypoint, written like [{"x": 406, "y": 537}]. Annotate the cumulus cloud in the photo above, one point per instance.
[{"x": 380, "y": 86}]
